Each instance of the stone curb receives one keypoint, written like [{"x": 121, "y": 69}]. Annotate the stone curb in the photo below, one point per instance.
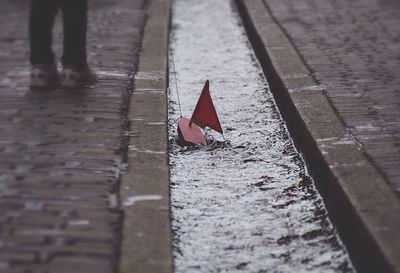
[
  {"x": 360, "y": 202},
  {"x": 144, "y": 195}
]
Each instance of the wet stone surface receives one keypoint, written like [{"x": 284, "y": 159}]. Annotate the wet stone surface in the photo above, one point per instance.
[
  {"x": 248, "y": 205},
  {"x": 62, "y": 151},
  {"x": 353, "y": 50}
]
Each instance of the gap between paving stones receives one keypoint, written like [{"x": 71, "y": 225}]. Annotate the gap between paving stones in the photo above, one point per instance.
[
  {"x": 361, "y": 204},
  {"x": 144, "y": 195}
]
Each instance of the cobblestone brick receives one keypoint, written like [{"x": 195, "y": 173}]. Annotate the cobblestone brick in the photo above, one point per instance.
[
  {"x": 352, "y": 48},
  {"x": 62, "y": 151}
]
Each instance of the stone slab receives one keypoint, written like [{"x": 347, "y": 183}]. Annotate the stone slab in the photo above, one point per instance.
[{"x": 144, "y": 196}]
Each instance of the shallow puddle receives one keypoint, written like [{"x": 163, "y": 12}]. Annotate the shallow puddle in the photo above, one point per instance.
[{"x": 248, "y": 205}]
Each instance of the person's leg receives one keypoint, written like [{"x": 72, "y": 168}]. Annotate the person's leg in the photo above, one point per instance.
[
  {"x": 75, "y": 25},
  {"x": 41, "y": 21},
  {"x": 76, "y": 71}
]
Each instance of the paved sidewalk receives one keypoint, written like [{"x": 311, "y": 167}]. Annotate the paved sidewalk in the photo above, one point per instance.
[
  {"x": 63, "y": 152},
  {"x": 353, "y": 50},
  {"x": 333, "y": 68}
]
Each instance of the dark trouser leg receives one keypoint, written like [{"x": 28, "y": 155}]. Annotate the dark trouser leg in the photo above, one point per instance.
[
  {"x": 75, "y": 24},
  {"x": 41, "y": 21}
]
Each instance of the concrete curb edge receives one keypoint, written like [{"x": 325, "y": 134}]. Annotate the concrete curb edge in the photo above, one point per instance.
[
  {"x": 361, "y": 204},
  {"x": 144, "y": 194}
]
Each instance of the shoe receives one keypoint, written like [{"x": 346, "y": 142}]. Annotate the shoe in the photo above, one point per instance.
[
  {"x": 75, "y": 76},
  {"x": 44, "y": 75}
]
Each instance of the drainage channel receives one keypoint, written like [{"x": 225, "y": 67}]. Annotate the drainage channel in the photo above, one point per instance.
[{"x": 249, "y": 205}]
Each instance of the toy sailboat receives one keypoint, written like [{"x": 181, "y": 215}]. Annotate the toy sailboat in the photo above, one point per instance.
[{"x": 204, "y": 115}]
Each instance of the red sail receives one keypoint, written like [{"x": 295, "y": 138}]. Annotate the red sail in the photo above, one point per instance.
[{"x": 204, "y": 115}]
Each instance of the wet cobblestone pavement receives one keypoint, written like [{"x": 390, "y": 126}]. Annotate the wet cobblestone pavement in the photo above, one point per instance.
[
  {"x": 248, "y": 205},
  {"x": 62, "y": 151},
  {"x": 353, "y": 50}
]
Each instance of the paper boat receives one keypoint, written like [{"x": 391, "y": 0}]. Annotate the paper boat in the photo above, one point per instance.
[{"x": 204, "y": 115}]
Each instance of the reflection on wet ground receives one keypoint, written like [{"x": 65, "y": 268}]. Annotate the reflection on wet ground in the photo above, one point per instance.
[
  {"x": 62, "y": 150},
  {"x": 248, "y": 205}
]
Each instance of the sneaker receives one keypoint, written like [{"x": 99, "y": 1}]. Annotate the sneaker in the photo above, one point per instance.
[
  {"x": 44, "y": 75},
  {"x": 75, "y": 76}
]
